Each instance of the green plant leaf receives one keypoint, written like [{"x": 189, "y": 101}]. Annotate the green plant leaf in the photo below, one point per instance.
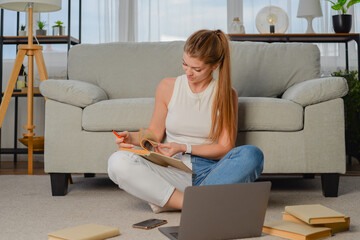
[
  {"x": 58, "y": 24},
  {"x": 352, "y": 112},
  {"x": 342, "y": 2},
  {"x": 337, "y": 7},
  {"x": 331, "y": 2},
  {"x": 352, "y": 2},
  {"x": 41, "y": 24}
]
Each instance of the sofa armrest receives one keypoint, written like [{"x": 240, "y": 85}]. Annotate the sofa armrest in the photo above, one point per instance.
[
  {"x": 317, "y": 90},
  {"x": 77, "y": 93}
]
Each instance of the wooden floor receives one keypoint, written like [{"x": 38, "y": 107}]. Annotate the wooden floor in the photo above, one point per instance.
[
  {"x": 20, "y": 168},
  {"x": 8, "y": 167},
  {"x": 353, "y": 169}
]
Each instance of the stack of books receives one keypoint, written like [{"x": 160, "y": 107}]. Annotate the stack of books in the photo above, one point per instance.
[{"x": 308, "y": 222}]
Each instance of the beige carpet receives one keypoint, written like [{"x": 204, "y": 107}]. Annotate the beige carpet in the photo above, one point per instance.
[{"x": 28, "y": 211}]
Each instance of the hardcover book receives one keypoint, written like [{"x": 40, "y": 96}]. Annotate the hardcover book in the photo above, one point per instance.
[
  {"x": 315, "y": 214},
  {"x": 85, "y": 232},
  {"x": 335, "y": 227},
  {"x": 296, "y": 231}
]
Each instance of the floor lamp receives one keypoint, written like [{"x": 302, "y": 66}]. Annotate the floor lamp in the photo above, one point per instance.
[{"x": 31, "y": 51}]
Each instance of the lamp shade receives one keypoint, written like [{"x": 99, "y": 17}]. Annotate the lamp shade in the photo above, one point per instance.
[
  {"x": 38, "y": 5},
  {"x": 309, "y": 8}
]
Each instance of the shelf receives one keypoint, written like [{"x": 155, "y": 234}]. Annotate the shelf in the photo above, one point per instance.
[
  {"x": 17, "y": 151},
  {"x": 294, "y": 37},
  {"x": 41, "y": 39},
  {"x": 24, "y": 94}
]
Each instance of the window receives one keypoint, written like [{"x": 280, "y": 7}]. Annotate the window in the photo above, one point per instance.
[{"x": 167, "y": 20}]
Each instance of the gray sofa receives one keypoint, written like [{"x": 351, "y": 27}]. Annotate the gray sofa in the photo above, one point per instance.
[{"x": 285, "y": 109}]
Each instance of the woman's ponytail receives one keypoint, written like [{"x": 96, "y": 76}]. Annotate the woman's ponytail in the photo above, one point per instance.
[
  {"x": 223, "y": 106},
  {"x": 212, "y": 47}
]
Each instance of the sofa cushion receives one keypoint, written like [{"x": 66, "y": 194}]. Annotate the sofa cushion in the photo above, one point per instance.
[
  {"x": 130, "y": 70},
  {"x": 268, "y": 69},
  {"x": 317, "y": 90},
  {"x": 118, "y": 114},
  {"x": 77, "y": 93},
  {"x": 255, "y": 114},
  {"x": 269, "y": 114},
  {"x": 126, "y": 70}
]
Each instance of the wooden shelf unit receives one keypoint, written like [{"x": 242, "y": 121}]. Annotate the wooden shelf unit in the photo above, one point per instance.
[{"x": 17, "y": 40}]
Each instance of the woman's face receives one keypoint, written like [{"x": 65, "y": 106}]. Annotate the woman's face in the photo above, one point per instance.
[{"x": 196, "y": 70}]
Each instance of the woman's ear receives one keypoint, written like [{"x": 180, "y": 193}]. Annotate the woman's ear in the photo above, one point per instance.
[{"x": 214, "y": 67}]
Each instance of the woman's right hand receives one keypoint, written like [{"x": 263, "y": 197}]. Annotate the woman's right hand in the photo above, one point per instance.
[{"x": 124, "y": 140}]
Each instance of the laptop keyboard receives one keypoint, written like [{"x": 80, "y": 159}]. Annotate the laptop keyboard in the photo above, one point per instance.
[{"x": 174, "y": 234}]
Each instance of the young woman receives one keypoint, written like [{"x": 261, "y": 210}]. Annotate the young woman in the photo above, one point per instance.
[{"x": 198, "y": 116}]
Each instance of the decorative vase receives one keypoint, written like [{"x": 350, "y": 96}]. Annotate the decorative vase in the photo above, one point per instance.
[
  {"x": 40, "y": 32},
  {"x": 342, "y": 23},
  {"x": 59, "y": 31},
  {"x": 237, "y": 26},
  {"x": 22, "y": 33}
]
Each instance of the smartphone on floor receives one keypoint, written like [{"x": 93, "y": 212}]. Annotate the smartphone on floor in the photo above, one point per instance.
[{"x": 149, "y": 224}]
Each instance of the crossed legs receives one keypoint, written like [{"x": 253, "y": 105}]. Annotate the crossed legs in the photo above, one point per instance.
[{"x": 165, "y": 186}]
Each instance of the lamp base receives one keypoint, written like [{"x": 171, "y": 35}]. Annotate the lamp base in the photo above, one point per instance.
[{"x": 309, "y": 27}]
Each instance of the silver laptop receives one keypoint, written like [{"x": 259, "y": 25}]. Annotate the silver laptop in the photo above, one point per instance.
[{"x": 222, "y": 212}]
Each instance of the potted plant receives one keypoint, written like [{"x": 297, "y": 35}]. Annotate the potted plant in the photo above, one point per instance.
[
  {"x": 352, "y": 113},
  {"x": 41, "y": 30},
  {"x": 342, "y": 22},
  {"x": 58, "y": 28},
  {"x": 22, "y": 31}
]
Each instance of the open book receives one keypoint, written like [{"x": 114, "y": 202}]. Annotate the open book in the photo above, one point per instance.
[{"x": 148, "y": 143}]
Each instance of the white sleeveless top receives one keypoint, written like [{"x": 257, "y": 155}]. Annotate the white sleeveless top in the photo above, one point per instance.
[{"x": 189, "y": 115}]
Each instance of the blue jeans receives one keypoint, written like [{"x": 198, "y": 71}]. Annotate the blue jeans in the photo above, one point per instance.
[{"x": 241, "y": 165}]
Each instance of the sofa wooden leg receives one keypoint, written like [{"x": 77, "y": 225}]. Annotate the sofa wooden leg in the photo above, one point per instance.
[
  {"x": 330, "y": 184},
  {"x": 89, "y": 175},
  {"x": 59, "y": 183}
]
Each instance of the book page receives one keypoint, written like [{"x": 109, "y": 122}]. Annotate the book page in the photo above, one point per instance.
[{"x": 148, "y": 142}]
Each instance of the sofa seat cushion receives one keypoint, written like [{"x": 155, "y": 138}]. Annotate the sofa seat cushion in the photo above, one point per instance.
[
  {"x": 118, "y": 114},
  {"x": 269, "y": 114}
]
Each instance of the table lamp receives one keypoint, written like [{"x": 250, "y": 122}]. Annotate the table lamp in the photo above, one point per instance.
[
  {"x": 31, "y": 51},
  {"x": 309, "y": 9}
]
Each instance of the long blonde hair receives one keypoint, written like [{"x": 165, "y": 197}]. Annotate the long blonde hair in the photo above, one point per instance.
[{"x": 212, "y": 47}]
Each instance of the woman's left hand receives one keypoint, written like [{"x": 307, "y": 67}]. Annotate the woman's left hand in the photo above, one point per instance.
[{"x": 170, "y": 149}]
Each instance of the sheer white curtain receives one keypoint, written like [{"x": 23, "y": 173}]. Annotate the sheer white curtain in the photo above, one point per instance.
[
  {"x": 117, "y": 20},
  {"x": 109, "y": 21},
  {"x": 167, "y": 20},
  {"x": 128, "y": 21},
  {"x": 234, "y": 9}
]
